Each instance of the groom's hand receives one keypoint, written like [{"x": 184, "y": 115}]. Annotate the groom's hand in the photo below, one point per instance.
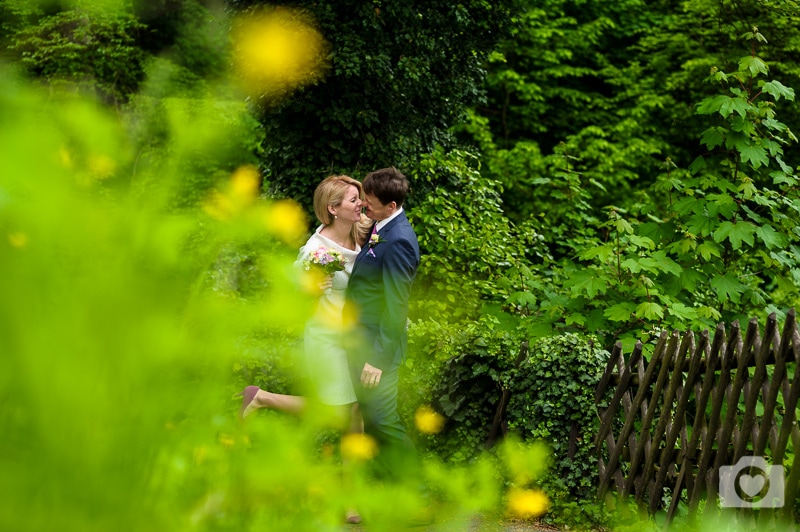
[{"x": 370, "y": 376}]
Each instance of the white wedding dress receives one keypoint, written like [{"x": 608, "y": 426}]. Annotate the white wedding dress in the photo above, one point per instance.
[{"x": 324, "y": 354}]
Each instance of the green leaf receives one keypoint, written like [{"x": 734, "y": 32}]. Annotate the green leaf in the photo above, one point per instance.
[
  {"x": 639, "y": 264},
  {"x": 736, "y": 233},
  {"x": 666, "y": 264},
  {"x": 650, "y": 311},
  {"x": 688, "y": 204},
  {"x": 734, "y": 105},
  {"x": 722, "y": 204},
  {"x": 623, "y": 226},
  {"x": 712, "y": 105},
  {"x": 642, "y": 242},
  {"x": 712, "y": 137},
  {"x": 587, "y": 282},
  {"x": 700, "y": 224},
  {"x": 620, "y": 312},
  {"x": 755, "y": 155},
  {"x": 727, "y": 287},
  {"x": 683, "y": 312},
  {"x": 604, "y": 252},
  {"x": 776, "y": 89},
  {"x": 770, "y": 237},
  {"x": 709, "y": 249},
  {"x": 698, "y": 164},
  {"x": 755, "y": 65}
]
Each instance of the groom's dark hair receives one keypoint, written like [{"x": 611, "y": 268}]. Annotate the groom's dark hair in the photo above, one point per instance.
[{"x": 388, "y": 185}]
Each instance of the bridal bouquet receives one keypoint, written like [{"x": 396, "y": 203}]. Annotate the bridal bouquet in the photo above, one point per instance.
[{"x": 326, "y": 260}]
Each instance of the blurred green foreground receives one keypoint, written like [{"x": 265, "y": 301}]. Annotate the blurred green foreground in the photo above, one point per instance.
[{"x": 119, "y": 337}]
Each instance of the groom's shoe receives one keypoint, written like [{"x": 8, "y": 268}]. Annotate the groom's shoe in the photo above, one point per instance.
[{"x": 248, "y": 395}]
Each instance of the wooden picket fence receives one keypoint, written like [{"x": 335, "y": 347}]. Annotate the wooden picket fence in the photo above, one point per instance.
[{"x": 674, "y": 420}]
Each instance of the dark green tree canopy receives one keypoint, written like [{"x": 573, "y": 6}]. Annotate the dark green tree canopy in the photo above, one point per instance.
[{"x": 402, "y": 74}]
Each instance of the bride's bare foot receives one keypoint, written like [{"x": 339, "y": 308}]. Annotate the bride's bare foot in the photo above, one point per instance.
[{"x": 248, "y": 401}]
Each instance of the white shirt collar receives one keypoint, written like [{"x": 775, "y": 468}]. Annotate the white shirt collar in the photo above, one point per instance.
[{"x": 382, "y": 223}]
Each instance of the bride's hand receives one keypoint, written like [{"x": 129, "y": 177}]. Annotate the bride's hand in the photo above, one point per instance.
[{"x": 327, "y": 283}]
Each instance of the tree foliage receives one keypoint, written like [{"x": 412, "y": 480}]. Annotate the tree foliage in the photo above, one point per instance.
[{"x": 402, "y": 74}]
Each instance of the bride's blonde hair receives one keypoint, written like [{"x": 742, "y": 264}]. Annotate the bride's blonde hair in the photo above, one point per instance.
[{"x": 330, "y": 193}]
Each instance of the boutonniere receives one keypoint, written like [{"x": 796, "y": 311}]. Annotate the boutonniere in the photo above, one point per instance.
[{"x": 374, "y": 240}]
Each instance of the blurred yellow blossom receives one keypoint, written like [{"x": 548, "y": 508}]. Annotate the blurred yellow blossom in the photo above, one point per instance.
[
  {"x": 525, "y": 504},
  {"x": 18, "y": 240},
  {"x": 200, "y": 454},
  {"x": 428, "y": 421},
  {"x": 101, "y": 166},
  {"x": 245, "y": 182},
  {"x": 227, "y": 441},
  {"x": 65, "y": 157},
  {"x": 358, "y": 447},
  {"x": 239, "y": 193},
  {"x": 286, "y": 220},
  {"x": 276, "y": 51},
  {"x": 525, "y": 462}
]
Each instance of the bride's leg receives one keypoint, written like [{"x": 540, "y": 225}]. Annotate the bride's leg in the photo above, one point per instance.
[{"x": 290, "y": 404}]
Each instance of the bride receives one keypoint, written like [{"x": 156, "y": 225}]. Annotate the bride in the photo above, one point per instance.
[{"x": 338, "y": 202}]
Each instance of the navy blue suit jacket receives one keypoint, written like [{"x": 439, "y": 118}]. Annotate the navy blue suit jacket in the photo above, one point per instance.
[{"x": 378, "y": 292}]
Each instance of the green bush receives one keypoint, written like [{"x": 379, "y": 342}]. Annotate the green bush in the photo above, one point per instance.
[
  {"x": 552, "y": 400},
  {"x": 460, "y": 370}
]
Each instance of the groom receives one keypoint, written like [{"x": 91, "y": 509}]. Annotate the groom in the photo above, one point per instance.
[{"x": 378, "y": 295}]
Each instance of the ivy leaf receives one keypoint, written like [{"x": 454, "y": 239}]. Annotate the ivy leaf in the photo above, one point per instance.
[
  {"x": 727, "y": 287},
  {"x": 736, "y": 233},
  {"x": 776, "y": 89},
  {"x": 755, "y": 155},
  {"x": 650, "y": 311},
  {"x": 620, "y": 312}
]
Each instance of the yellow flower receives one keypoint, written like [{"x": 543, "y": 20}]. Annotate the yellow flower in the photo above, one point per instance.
[
  {"x": 227, "y": 441},
  {"x": 527, "y": 503},
  {"x": 218, "y": 206},
  {"x": 277, "y": 51},
  {"x": 428, "y": 421},
  {"x": 286, "y": 220},
  {"x": 239, "y": 193},
  {"x": 102, "y": 166},
  {"x": 244, "y": 183},
  {"x": 18, "y": 240},
  {"x": 359, "y": 447},
  {"x": 65, "y": 157}
]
